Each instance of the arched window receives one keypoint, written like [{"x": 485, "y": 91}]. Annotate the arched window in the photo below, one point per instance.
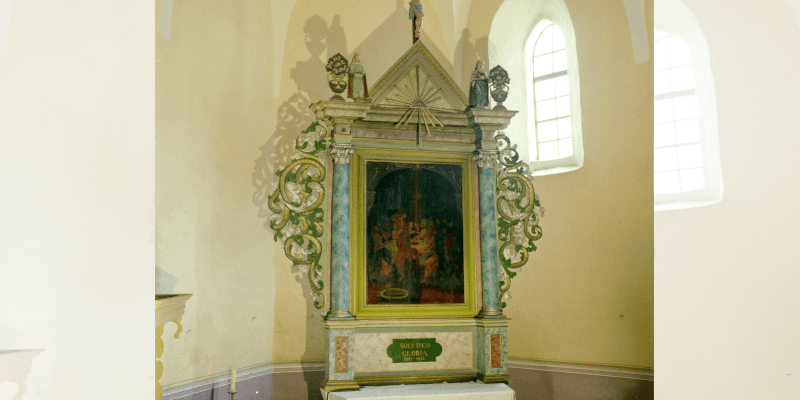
[
  {"x": 535, "y": 42},
  {"x": 678, "y": 158},
  {"x": 552, "y": 135},
  {"x": 686, "y": 163}
]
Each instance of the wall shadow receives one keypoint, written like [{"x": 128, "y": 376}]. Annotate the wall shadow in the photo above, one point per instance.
[
  {"x": 292, "y": 117},
  {"x": 392, "y": 38},
  {"x": 322, "y": 40},
  {"x": 473, "y": 50}
]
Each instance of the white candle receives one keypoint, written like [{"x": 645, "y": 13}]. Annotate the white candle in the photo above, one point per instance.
[{"x": 233, "y": 380}]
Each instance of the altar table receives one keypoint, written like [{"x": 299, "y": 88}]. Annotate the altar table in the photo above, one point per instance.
[{"x": 435, "y": 391}]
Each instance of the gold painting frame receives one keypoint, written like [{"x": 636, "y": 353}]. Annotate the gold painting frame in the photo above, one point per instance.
[{"x": 359, "y": 240}]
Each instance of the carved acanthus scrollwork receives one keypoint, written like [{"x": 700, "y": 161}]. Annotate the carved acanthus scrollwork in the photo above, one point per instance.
[
  {"x": 485, "y": 158},
  {"x": 296, "y": 199},
  {"x": 518, "y": 211}
]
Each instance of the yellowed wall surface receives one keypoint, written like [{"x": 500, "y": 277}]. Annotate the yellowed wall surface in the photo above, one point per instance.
[
  {"x": 380, "y": 32},
  {"x": 225, "y": 121},
  {"x": 220, "y": 136},
  {"x": 727, "y": 274},
  {"x": 214, "y": 112},
  {"x": 76, "y": 200},
  {"x": 587, "y": 294}
]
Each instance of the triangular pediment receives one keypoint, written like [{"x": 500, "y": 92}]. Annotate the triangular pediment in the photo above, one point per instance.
[{"x": 417, "y": 80}]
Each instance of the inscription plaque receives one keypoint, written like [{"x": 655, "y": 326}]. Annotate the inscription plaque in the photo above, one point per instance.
[{"x": 414, "y": 350}]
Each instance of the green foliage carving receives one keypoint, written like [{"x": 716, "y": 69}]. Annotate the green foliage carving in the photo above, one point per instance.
[
  {"x": 518, "y": 212},
  {"x": 296, "y": 201}
]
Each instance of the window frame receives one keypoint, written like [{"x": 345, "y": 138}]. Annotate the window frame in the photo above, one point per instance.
[
  {"x": 672, "y": 95},
  {"x": 675, "y": 19},
  {"x": 509, "y": 46},
  {"x": 574, "y": 161},
  {"x": 534, "y": 133}
]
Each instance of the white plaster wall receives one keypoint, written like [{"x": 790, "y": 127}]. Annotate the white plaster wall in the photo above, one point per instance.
[
  {"x": 727, "y": 274},
  {"x": 76, "y": 182},
  {"x": 794, "y": 5},
  {"x": 674, "y": 17}
]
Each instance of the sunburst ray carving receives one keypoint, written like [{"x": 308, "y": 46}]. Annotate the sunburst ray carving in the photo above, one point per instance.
[{"x": 416, "y": 101}]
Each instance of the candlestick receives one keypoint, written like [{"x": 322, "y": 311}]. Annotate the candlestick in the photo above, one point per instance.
[
  {"x": 233, "y": 381},
  {"x": 231, "y": 393}
]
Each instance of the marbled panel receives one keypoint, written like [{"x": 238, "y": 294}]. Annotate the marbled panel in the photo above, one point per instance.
[
  {"x": 342, "y": 355},
  {"x": 370, "y": 351},
  {"x": 340, "y": 238},
  {"x": 488, "y": 365},
  {"x": 481, "y": 350},
  {"x": 497, "y": 350},
  {"x": 488, "y": 223},
  {"x": 332, "y": 367}
]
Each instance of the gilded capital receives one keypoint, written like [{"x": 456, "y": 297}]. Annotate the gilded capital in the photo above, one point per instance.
[
  {"x": 341, "y": 153},
  {"x": 485, "y": 158}
]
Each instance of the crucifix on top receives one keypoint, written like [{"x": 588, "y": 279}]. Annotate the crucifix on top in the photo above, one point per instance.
[{"x": 415, "y": 15}]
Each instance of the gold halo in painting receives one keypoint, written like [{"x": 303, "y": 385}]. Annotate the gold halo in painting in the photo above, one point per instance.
[{"x": 394, "y": 294}]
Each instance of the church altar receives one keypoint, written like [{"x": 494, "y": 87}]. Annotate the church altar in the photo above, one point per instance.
[{"x": 425, "y": 212}]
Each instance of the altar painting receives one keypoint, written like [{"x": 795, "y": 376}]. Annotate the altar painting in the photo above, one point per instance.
[{"x": 415, "y": 237}]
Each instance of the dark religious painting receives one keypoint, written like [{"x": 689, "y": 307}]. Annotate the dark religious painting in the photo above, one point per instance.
[{"x": 414, "y": 234}]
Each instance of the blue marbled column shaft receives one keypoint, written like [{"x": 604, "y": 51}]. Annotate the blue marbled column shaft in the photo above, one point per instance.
[
  {"x": 491, "y": 290},
  {"x": 340, "y": 239}
]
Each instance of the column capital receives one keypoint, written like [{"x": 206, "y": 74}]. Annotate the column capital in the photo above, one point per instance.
[
  {"x": 485, "y": 158},
  {"x": 341, "y": 153}
]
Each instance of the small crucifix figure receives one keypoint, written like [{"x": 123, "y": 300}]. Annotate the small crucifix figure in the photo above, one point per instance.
[{"x": 415, "y": 15}]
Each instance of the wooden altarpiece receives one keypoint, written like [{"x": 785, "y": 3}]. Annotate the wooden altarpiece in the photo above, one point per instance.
[{"x": 431, "y": 212}]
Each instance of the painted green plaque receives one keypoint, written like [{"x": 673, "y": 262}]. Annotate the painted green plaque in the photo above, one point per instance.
[{"x": 414, "y": 350}]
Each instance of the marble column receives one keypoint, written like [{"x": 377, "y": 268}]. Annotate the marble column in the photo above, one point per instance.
[
  {"x": 340, "y": 233},
  {"x": 488, "y": 224}
]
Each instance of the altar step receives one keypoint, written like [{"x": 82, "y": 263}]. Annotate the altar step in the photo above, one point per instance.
[{"x": 433, "y": 391}]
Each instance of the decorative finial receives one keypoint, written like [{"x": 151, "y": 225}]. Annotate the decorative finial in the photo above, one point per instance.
[
  {"x": 500, "y": 80},
  {"x": 337, "y": 68}
]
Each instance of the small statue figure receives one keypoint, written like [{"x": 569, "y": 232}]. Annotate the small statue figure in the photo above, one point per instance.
[
  {"x": 479, "y": 87},
  {"x": 415, "y": 14},
  {"x": 357, "y": 81}
]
